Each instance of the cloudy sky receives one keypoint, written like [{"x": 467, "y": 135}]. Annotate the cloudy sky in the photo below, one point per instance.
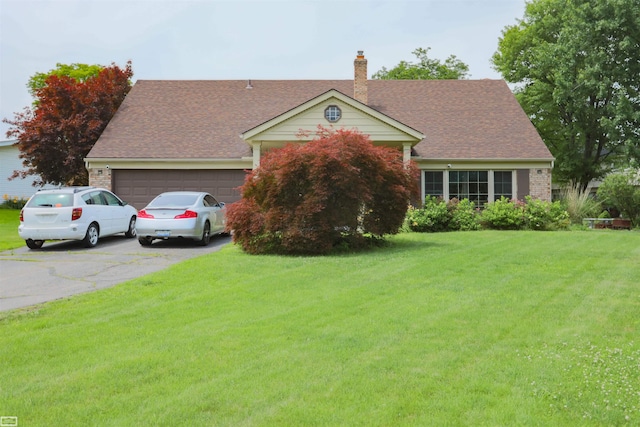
[{"x": 241, "y": 39}]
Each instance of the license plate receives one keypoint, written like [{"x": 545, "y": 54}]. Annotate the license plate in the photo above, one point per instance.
[{"x": 163, "y": 233}]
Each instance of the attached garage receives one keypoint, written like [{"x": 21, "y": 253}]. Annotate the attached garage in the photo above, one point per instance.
[{"x": 139, "y": 186}]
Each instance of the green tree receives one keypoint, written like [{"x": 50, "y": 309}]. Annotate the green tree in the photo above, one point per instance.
[
  {"x": 78, "y": 72},
  {"x": 68, "y": 117},
  {"x": 425, "y": 69},
  {"x": 575, "y": 64}
]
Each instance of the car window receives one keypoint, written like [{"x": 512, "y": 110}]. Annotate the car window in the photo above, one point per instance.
[
  {"x": 173, "y": 200},
  {"x": 112, "y": 200},
  {"x": 211, "y": 201},
  {"x": 95, "y": 198},
  {"x": 55, "y": 200},
  {"x": 92, "y": 198}
]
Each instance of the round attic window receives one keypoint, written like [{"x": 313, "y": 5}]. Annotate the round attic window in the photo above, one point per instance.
[{"x": 332, "y": 113}]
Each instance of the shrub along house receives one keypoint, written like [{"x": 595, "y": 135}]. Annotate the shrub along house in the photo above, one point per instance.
[{"x": 470, "y": 138}]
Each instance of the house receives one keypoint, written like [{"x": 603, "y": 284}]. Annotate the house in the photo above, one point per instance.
[
  {"x": 10, "y": 160},
  {"x": 470, "y": 138}
]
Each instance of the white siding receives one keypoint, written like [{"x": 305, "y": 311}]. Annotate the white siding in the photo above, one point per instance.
[
  {"x": 351, "y": 119},
  {"x": 10, "y": 161}
]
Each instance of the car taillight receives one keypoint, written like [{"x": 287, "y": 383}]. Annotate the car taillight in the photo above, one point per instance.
[
  {"x": 21, "y": 215},
  {"x": 76, "y": 213},
  {"x": 144, "y": 214},
  {"x": 187, "y": 214}
]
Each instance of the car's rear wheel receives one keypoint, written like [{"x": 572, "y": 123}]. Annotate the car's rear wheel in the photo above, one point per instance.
[
  {"x": 34, "y": 244},
  {"x": 92, "y": 236},
  {"x": 131, "y": 232},
  {"x": 206, "y": 235},
  {"x": 145, "y": 241}
]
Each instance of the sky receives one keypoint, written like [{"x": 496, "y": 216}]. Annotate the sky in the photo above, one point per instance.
[{"x": 241, "y": 39}]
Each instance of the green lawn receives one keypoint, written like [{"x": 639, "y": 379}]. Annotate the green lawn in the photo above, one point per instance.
[
  {"x": 478, "y": 328},
  {"x": 9, "y": 221}
]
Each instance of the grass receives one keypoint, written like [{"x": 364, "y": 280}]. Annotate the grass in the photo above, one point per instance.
[
  {"x": 9, "y": 221},
  {"x": 478, "y": 328}
]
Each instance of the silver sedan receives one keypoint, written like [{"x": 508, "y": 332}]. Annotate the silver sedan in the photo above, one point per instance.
[{"x": 181, "y": 215}]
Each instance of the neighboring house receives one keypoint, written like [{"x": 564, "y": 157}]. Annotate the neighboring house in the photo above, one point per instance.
[
  {"x": 470, "y": 138},
  {"x": 9, "y": 161}
]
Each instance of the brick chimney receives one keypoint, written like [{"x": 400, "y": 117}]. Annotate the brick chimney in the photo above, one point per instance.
[{"x": 360, "y": 78}]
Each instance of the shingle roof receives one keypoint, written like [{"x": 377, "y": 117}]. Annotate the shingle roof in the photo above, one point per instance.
[{"x": 173, "y": 119}]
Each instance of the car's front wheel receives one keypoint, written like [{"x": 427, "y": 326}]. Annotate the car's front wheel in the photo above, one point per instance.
[
  {"x": 131, "y": 232},
  {"x": 34, "y": 244},
  {"x": 92, "y": 236}
]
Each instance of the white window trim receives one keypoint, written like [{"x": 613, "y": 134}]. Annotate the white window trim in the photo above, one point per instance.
[
  {"x": 333, "y": 107},
  {"x": 491, "y": 182}
]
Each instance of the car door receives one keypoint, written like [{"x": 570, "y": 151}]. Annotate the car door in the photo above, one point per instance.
[
  {"x": 215, "y": 216},
  {"x": 118, "y": 217},
  {"x": 98, "y": 211},
  {"x": 221, "y": 214}
]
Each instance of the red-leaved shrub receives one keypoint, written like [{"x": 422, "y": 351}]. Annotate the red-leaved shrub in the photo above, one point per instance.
[{"x": 332, "y": 191}]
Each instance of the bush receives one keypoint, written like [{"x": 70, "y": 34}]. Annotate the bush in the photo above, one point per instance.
[
  {"x": 337, "y": 191},
  {"x": 437, "y": 215},
  {"x": 431, "y": 218},
  {"x": 12, "y": 202},
  {"x": 503, "y": 214},
  {"x": 464, "y": 215},
  {"x": 543, "y": 215},
  {"x": 622, "y": 192}
]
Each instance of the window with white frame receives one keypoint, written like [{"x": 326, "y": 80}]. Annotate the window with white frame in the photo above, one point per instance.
[
  {"x": 433, "y": 184},
  {"x": 332, "y": 113},
  {"x": 479, "y": 186},
  {"x": 472, "y": 185}
]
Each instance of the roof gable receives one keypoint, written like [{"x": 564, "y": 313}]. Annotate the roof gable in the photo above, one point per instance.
[{"x": 302, "y": 121}]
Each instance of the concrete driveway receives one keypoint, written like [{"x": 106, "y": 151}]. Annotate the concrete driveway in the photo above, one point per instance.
[{"x": 61, "y": 269}]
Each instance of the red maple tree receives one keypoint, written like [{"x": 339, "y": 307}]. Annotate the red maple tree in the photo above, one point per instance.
[{"x": 55, "y": 135}]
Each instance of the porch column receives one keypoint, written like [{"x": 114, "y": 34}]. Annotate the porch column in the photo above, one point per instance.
[
  {"x": 256, "y": 154},
  {"x": 406, "y": 153}
]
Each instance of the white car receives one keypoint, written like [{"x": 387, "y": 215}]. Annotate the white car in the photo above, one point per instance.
[
  {"x": 192, "y": 215},
  {"x": 75, "y": 213}
]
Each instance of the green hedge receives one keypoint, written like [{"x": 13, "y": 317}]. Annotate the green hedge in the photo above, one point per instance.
[{"x": 438, "y": 215}]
